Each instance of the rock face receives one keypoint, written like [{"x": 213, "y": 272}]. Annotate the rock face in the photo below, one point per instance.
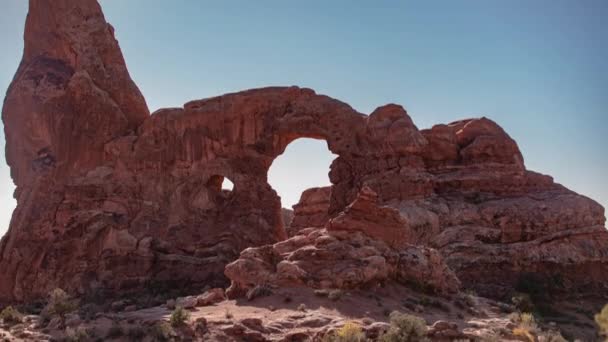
[
  {"x": 111, "y": 197},
  {"x": 355, "y": 251},
  {"x": 383, "y": 223},
  {"x": 311, "y": 211},
  {"x": 324, "y": 259}
]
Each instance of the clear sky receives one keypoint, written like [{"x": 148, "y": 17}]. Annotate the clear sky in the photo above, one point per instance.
[{"x": 539, "y": 68}]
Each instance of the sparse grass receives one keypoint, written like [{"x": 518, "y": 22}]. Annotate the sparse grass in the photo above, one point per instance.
[
  {"x": 523, "y": 334},
  {"x": 11, "y": 316},
  {"x": 179, "y": 316},
  {"x": 302, "y": 307},
  {"x": 601, "y": 319},
  {"x": 405, "y": 328},
  {"x": 350, "y": 332},
  {"x": 526, "y": 326},
  {"x": 59, "y": 304}
]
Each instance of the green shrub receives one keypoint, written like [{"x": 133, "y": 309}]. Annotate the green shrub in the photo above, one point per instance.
[
  {"x": 162, "y": 332},
  {"x": 405, "y": 328},
  {"x": 523, "y": 303},
  {"x": 11, "y": 315},
  {"x": 602, "y": 320},
  {"x": 59, "y": 304},
  {"x": 350, "y": 332},
  {"x": 179, "y": 316}
]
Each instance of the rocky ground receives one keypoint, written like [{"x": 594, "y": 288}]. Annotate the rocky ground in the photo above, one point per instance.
[
  {"x": 125, "y": 211},
  {"x": 301, "y": 314}
]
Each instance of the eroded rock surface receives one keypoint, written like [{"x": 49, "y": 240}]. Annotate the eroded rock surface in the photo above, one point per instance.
[
  {"x": 111, "y": 197},
  {"x": 354, "y": 253},
  {"x": 311, "y": 211}
]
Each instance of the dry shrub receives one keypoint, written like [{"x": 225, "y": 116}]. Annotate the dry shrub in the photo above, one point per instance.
[
  {"x": 405, "y": 328},
  {"x": 350, "y": 332}
]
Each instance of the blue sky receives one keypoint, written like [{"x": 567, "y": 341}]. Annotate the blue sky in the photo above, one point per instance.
[{"x": 539, "y": 68}]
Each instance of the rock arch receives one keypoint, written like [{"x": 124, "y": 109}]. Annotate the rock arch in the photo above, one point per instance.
[{"x": 111, "y": 197}]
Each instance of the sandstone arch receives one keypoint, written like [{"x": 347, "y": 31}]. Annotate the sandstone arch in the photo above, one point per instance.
[{"x": 111, "y": 197}]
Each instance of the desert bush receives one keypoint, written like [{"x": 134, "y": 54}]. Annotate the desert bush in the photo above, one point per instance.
[
  {"x": 179, "y": 316},
  {"x": 11, "y": 316},
  {"x": 78, "y": 334},
  {"x": 405, "y": 328},
  {"x": 59, "y": 304},
  {"x": 523, "y": 303},
  {"x": 350, "y": 332},
  {"x": 162, "y": 332},
  {"x": 526, "y": 327},
  {"x": 602, "y": 321}
]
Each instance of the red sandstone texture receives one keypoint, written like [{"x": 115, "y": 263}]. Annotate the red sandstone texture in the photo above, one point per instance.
[
  {"x": 110, "y": 197},
  {"x": 311, "y": 211},
  {"x": 356, "y": 250}
]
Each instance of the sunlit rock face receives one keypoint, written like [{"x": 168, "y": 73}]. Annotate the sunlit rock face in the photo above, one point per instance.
[
  {"x": 311, "y": 211},
  {"x": 110, "y": 197}
]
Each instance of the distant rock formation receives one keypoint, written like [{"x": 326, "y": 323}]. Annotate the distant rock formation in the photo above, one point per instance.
[
  {"x": 287, "y": 217},
  {"x": 110, "y": 197},
  {"x": 311, "y": 211}
]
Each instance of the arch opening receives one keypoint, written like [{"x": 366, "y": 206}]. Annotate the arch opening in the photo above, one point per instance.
[
  {"x": 220, "y": 184},
  {"x": 304, "y": 165}
]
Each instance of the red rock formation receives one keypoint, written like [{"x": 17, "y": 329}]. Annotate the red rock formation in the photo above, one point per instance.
[
  {"x": 383, "y": 223},
  {"x": 338, "y": 259},
  {"x": 109, "y": 197},
  {"x": 311, "y": 211},
  {"x": 363, "y": 246}
]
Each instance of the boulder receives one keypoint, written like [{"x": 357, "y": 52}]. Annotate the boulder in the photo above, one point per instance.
[
  {"x": 211, "y": 297},
  {"x": 189, "y": 302}
]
